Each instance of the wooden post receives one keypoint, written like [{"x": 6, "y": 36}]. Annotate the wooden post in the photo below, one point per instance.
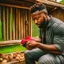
[
  {"x": 14, "y": 11},
  {"x": 11, "y": 23},
  {"x": 4, "y": 22},
  {"x": 17, "y": 24},
  {"x": 29, "y": 19},
  {"x": 27, "y": 23},
  {"x": 7, "y": 25},
  {"x": 21, "y": 24},
  {"x": 24, "y": 22}
]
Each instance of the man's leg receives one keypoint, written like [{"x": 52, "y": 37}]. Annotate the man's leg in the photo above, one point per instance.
[
  {"x": 49, "y": 59},
  {"x": 33, "y": 55}
]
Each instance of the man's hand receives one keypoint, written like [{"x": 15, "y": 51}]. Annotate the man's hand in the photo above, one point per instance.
[{"x": 31, "y": 44}]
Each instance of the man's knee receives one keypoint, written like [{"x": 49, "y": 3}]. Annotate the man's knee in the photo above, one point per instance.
[
  {"x": 46, "y": 59},
  {"x": 27, "y": 53}
]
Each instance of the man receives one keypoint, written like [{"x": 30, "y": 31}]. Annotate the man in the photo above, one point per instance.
[{"x": 51, "y": 46}]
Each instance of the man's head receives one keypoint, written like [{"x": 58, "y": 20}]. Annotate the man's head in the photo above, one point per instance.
[{"x": 39, "y": 13}]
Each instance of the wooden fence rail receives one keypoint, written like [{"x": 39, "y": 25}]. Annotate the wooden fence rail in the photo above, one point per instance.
[{"x": 9, "y": 42}]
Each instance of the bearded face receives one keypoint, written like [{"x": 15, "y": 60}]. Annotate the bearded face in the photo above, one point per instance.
[{"x": 39, "y": 19}]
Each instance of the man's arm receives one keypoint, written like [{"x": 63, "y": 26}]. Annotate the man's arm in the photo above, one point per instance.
[
  {"x": 37, "y": 39},
  {"x": 49, "y": 48}
]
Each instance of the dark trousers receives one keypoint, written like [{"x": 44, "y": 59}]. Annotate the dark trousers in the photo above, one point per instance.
[{"x": 42, "y": 57}]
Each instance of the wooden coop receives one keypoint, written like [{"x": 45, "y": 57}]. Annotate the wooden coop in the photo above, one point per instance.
[
  {"x": 16, "y": 22},
  {"x": 15, "y": 17}
]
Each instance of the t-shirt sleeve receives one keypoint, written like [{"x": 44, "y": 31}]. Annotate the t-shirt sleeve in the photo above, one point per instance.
[
  {"x": 59, "y": 37},
  {"x": 59, "y": 42}
]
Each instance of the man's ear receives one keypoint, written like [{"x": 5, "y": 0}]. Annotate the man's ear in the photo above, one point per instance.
[{"x": 47, "y": 17}]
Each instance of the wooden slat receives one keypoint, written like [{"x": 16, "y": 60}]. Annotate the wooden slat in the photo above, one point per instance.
[
  {"x": 7, "y": 19},
  {"x": 29, "y": 19},
  {"x": 27, "y": 23},
  {"x": 24, "y": 22},
  {"x": 11, "y": 23},
  {"x": 21, "y": 24},
  {"x": 17, "y": 24},
  {"x": 4, "y": 27},
  {"x": 14, "y": 23},
  {"x": 31, "y": 25}
]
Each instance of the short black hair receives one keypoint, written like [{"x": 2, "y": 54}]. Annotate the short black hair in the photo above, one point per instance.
[{"x": 37, "y": 6}]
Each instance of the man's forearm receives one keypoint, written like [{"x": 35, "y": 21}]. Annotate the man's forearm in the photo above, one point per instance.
[
  {"x": 48, "y": 48},
  {"x": 54, "y": 52}
]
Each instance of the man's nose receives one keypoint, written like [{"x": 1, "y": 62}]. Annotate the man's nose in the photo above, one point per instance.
[{"x": 35, "y": 22}]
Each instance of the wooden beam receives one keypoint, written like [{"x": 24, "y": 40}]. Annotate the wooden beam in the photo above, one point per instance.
[
  {"x": 16, "y": 6},
  {"x": 52, "y": 3},
  {"x": 9, "y": 42}
]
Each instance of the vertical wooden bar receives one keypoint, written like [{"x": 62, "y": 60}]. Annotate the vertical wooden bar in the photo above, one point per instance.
[
  {"x": 14, "y": 11},
  {"x": 11, "y": 23},
  {"x": 4, "y": 27},
  {"x": 24, "y": 22},
  {"x": 26, "y": 25},
  {"x": 7, "y": 19},
  {"x": 29, "y": 23},
  {"x": 17, "y": 24},
  {"x": 21, "y": 24}
]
